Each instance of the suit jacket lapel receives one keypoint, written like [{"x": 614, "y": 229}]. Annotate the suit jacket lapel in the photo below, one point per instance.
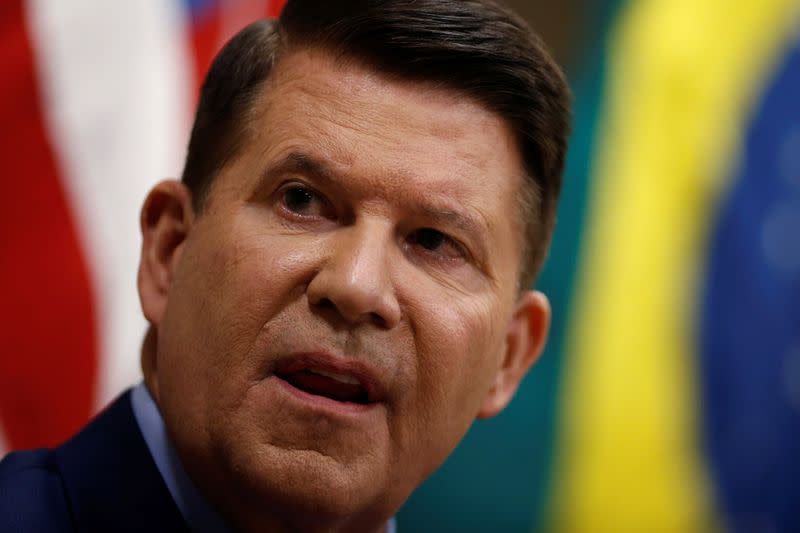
[{"x": 111, "y": 479}]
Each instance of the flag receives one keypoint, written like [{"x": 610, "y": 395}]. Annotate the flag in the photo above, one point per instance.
[
  {"x": 97, "y": 104},
  {"x": 683, "y": 336}
]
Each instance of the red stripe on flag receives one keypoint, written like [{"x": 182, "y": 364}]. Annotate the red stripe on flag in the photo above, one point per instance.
[
  {"x": 208, "y": 38},
  {"x": 205, "y": 29},
  {"x": 48, "y": 364},
  {"x": 274, "y": 8}
]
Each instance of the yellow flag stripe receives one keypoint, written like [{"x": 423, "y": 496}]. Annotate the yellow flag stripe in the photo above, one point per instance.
[{"x": 684, "y": 75}]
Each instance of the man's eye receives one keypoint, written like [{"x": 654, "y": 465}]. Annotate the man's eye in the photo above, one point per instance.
[
  {"x": 436, "y": 242},
  {"x": 304, "y": 201}
]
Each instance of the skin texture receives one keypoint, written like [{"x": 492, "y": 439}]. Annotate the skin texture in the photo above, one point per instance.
[{"x": 367, "y": 221}]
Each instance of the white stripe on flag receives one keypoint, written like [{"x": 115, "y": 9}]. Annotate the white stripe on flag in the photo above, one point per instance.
[{"x": 117, "y": 85}]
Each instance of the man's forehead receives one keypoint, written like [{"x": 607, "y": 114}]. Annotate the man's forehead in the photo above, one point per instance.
[
  {"x": 333, "y": 104},
  {"x": 327, "y": 84}
]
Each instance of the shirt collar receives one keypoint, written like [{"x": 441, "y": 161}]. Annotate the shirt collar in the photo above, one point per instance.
[{"x": 198, "y": 513}]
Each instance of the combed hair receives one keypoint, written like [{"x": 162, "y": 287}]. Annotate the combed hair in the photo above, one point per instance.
[{"x": 475, "y": 47}]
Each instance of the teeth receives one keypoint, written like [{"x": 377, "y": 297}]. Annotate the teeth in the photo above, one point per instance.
[{"x": 350, "y": 380}]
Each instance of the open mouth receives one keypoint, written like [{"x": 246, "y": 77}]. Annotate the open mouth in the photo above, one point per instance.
[{"x": 334, "y": 386}]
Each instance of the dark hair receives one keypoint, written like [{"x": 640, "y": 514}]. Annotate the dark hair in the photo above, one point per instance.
[{"x": 475, "y": 47}]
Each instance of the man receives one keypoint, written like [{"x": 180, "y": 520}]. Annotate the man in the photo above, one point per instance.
[{"x": 338, "y": 286}]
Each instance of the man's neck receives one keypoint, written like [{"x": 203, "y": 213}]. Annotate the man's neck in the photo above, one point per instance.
[{"x": 251, "y": 514}]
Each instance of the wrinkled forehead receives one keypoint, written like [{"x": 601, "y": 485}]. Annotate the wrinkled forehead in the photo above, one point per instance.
[{"x": 407, "y": 128}]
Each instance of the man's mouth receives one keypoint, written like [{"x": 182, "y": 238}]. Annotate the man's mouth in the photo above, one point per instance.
[
  {"x": 345, "y": 381},
  {"x": 339, "y": 387}
]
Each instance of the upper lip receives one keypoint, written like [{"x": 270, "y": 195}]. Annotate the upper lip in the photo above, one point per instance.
[{"x": 327, "y": 362}]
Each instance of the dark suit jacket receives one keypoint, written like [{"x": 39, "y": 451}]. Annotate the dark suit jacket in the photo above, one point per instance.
[{"x": 103, "y": 479}]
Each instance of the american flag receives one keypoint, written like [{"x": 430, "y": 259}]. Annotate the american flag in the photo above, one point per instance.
[{"x": 96, "y": 106}]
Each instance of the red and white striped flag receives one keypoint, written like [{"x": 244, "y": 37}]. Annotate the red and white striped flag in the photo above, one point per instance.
[{"x": 95, "y": 106}]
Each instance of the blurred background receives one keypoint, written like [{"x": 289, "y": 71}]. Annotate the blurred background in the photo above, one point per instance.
[{"x": 668, "y": 399}]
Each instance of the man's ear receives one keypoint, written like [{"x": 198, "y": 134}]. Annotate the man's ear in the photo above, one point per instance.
[
  {"x": 525, "y": 340},
  {"x": 166, "y": 218}
]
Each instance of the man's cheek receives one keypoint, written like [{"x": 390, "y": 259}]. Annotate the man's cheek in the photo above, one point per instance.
[
  {"x": 271, "y": 262},
  {"x": 479, "y": 333},
  {"x": 446, "y": 350}
]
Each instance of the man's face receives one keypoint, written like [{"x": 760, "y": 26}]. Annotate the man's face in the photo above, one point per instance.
[{"x": 339, "y": 313}]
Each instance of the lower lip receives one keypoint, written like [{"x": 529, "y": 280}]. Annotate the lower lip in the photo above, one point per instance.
[{"x": 323, "y": 403}]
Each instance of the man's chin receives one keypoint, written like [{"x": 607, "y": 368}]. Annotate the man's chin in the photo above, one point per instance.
[
  {"x": 277, "y": 452},
  {"x": 294, "y": 435},
  {"x": 306, "y": 484}
]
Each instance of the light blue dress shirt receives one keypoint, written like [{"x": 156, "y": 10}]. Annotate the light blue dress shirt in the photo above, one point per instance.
[{"x": 198, "y": 513}]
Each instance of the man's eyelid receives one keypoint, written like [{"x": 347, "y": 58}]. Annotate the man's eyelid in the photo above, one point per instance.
[
  {"x": 284, "y": 188},
  {"x": 458, "y": 224},
  {"x": 468, "y": 244},
  {"x": 455, "y": 242},
  {"x": 288, "y": 184},
  {"x": 464, "y": 249},
  {"x": 475, "y": 249}
]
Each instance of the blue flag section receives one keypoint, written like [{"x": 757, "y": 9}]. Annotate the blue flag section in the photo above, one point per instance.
[
  {"x": 750, "y": 323},
  {"x": 198, "y": 7}
]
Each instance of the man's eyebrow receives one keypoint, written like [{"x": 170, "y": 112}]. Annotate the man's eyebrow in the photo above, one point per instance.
[
  {"x": 451, "y": 218},
  {"x": 300, "y": 163}
]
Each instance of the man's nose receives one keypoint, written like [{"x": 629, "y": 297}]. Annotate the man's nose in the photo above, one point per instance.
[{"x": 354, "y": 279}]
